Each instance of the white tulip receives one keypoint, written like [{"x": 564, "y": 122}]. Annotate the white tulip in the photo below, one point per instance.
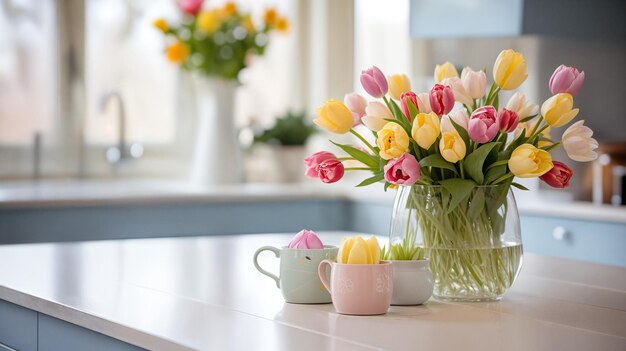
[
  {"x": 423, "y": 103},
  {"x": 459, "y": 117},
  {"x": 518, "y": 104},
  {"x": 460, "y": 94},
  {"x": 474, "y": 82},
  {"x": 375, "y": 115},
  {"x": 578, "y": 143}
]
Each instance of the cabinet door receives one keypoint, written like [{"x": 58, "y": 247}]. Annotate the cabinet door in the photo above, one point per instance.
[
  {"x": 18, "y": 327},
  {"x": 600, "y": 242},
  {"x": 55, "y": 334}
]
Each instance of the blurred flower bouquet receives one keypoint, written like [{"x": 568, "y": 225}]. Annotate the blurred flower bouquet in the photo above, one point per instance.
[
  {"x": 455, "y": 151},
  {"x": 216, "y": 44},
  {"x": 219, "y": 41}
]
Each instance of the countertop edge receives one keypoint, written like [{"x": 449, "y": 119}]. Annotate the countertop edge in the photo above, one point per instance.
[{"x": 89, "y": 321}]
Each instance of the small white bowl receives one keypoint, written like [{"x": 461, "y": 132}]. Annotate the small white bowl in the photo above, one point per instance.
[{"x": 412, "y": 282}]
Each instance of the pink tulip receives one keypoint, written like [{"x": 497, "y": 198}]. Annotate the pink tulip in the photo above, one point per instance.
[
  {"x": 566, "y": 80},
  {"x": 191, "y": 7},
  {"x": 374, "y": 82},
  {"x": 314, "y": 160},
  {"x": 507, "y": 120},
  {"x": 483, "y": 124},
  {"x": 404, "y": 170},
  {"x": 330, "y": 171},
  {"x": 356, "y": 104},
  {"x": 307, "y": 240},
  {"x": 405, "y": 98},
  {"x": 441, "y": 99}
]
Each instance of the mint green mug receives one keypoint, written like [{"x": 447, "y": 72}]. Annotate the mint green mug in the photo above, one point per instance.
[{"x": 298, "y": 280}]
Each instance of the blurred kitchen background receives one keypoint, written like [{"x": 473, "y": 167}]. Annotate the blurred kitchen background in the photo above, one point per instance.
[
  {"x": 80, "y": 78},
  {"x": 101, "y": 137}
]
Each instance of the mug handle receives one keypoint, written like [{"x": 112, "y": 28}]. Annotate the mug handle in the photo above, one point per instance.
[
  {"x": 321, "y": 271},
  {"x": 263, "y": 271}
]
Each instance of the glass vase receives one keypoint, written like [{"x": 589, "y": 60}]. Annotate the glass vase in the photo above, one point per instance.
[{"x": 474, "y": 245}]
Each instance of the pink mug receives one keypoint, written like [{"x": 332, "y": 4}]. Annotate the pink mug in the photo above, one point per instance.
[{"x": 359, "y": 289}]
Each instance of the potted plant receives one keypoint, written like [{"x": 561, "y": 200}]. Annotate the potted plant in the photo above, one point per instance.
[
  {"x": 287, "y": 139},
  {"x": 412, "y": 279}
]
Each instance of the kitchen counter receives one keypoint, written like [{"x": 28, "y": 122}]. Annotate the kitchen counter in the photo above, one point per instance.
[
  {"x": 56, "y": 194},
  {"x": 204, "y": 293}
]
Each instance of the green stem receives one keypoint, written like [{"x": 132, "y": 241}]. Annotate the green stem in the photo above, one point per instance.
[
  {"x": 532, "y": 133},
  {"x": 364, "y": 141},
  {"x": 550, "y": 147},
  {"x": 357, "y": 169},
  {"x": 462, "y": 171},
  {"x": 504, "y": 177}
]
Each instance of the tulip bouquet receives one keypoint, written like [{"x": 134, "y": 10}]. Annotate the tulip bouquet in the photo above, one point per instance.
[
  {"x": 219, "y": 41},
  {"x": 459, "y": 150}
]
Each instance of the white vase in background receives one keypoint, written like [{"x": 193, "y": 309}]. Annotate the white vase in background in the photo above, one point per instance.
[{"x": 217, "y": 154}]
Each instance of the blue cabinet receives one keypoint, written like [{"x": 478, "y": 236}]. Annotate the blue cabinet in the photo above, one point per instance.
[
  {"x": 55, "y": 334},
  {"x": 18, "y": 327},
  {"x": 22, "y": 329},
  {"x": 601, "y": 242}
]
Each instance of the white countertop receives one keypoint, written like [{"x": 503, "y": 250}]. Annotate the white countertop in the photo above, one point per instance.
[
  {"x": 47, "y": 194},
  {"x": 204, "y": 293}
]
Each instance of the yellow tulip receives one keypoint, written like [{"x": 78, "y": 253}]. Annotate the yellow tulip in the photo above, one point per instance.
[
  {"x": 446, "y": 70},
  {"x": 282, "y": 24},
  {"x": 356, "y": 250},
  {"x": 425, "y": 129},
  {"x": 177, "y": 52},
  {"x": 392, "y": 141},
  {"x": 452, "y": 147},
  {"x": 270, "y": 16},
  {"x": 230, "y": 9},
  {"x": 557, "y": 110},
  {"x": 509, "y": 71},
  {"x": 209, "y": 21},
  {"x": 528, "y": 161},
  {"x": 398, "y": 84},
  {"x": 161, "y": 24},
  {"x": 334, "y": 116}
]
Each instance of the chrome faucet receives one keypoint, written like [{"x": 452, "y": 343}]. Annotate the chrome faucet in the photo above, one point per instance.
[{"x": 120, "y": 152}]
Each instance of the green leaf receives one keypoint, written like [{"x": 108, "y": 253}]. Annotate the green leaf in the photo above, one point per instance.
[
  {"x": 462, "y": 132},
  {"x": 387, "y": 185},
  {"x": 498, "y": 163},
  {"x": 519, "y": 186},
  {"x": 437, "y": 161},
  {"x": 400, "y": 117},
  {"x": 503, "y": 191},
  {"x": 371, "y": 180},
  {"x": 494, "y": 173},
  {"x": 412, "y": 109},
  {"x": 477, "y": 203},
  {"x": 521, "y": 139},
  {"x": 367, "y": 159},
  {"x": 526, "y": 119},
  {"x": 459, "y": 189},
  {"x": 473, "y": 163},
  {"x": 496, "y": 101}
]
